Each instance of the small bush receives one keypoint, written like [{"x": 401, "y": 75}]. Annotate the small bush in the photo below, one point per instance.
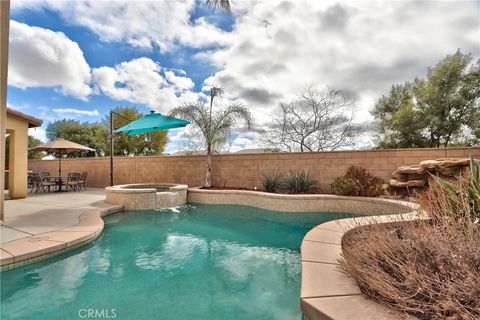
[
  {"x": 357, "y": 182},
  {"x": 272, "y": 181},
  {"x": 300, "y": 182}
]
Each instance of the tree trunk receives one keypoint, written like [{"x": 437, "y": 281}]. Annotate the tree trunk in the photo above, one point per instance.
[{"x": 208, "y": 173}]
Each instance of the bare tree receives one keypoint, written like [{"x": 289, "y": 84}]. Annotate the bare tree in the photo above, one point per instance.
[{"x": 318, "y": 120}]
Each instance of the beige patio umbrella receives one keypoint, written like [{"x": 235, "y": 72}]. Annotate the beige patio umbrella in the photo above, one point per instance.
[{"x": 61, "y": 146}]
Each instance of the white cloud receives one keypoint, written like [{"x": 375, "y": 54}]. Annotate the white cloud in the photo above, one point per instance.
[
  {"x": 48, "y": 114},
  {"x": 244, "y": 141},
  {"x": 361, "y": 47},
  {"x": 273, "y": 51},
  {"x": 43, "y": 58},
  {"x": 182, "y": 83},
  {"x": 144, "y": 81},
  {"x": 69, "y": 112},
  {"x": 142, "y": 24},
  {"x": 45, "y": 114},
  {"x": 38, "y": 133}
]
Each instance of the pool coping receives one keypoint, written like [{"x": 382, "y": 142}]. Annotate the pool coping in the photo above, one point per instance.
[
  {"x": 41, "y": 246},
  {"x": 326, "y": 292}
]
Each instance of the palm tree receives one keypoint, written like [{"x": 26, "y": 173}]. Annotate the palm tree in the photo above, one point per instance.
[{"x": 215, "y": 128}]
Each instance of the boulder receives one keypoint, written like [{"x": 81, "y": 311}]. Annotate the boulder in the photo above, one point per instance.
[
  {"x": 409, "y": 179},
  {"x": 444, "y": 163},
  {"x": 417, "y": 169},
  {"x": 407, "y": 184}
]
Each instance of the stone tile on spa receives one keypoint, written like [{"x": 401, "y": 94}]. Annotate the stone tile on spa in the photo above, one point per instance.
[
  {"x": 347, "y": 308},
  {"x": 320, "y": 279},
  {"x": 320, "y": 252}
]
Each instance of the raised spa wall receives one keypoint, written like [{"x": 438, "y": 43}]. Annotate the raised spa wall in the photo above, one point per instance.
[
  {"x": 147, "y": 196},
  {"x": 299, "y": 203}
]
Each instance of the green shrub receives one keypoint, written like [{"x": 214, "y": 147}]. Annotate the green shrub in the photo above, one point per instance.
[
  {"x": 357, "y": 182},
  {"x": 300, "y": 182},
  {"x": 272, "y": 181}
]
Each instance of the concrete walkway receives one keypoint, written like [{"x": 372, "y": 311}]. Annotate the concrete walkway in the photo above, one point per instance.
[{"x": 44, "y": 212}]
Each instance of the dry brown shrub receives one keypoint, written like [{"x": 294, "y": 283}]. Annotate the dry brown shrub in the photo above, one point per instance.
[
  {"x": 438, "y": 202},
  {"x": 429, "y": 269}
]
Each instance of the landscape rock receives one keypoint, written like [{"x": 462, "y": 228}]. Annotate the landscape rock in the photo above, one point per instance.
[
  {"x": 411, "y": 183},
  {"x": 417, "y": 169},
  {"x": 444, "y": 163},
  {"x": 406, "y": 180}
]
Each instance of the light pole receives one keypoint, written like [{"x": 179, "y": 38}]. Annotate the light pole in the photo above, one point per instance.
[{"x": 112, "y": 134}]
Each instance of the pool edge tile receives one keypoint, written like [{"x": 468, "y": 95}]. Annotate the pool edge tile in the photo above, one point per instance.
[{"x": 43, "y": 245}]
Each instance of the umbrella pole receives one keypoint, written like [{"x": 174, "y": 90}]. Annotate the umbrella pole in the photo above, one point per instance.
[
  {"x": 60, "y": 164},
  {"x": 111, "y": 148},
  {"x": 60, "y": 171}
]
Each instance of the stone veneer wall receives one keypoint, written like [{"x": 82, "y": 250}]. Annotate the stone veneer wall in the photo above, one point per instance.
[
  {"x": 146, "y": 197},
  {"x": 245, "y": 170},
  {"x": 300, "y": 203}
]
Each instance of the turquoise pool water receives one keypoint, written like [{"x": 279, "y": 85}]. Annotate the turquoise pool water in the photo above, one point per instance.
[{"x": 193, "y": 262}]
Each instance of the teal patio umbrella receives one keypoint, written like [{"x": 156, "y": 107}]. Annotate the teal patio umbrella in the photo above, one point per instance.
[
  {"x": 149, "y": 123},
  {"x": 152, "y": 122}
]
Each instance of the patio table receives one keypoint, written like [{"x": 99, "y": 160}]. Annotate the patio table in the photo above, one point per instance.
[{"x": 60, "y": 182}]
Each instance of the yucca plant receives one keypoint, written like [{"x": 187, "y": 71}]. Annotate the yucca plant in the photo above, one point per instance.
[
  {"x": 272, "y": 181},
  {"x": 300, "y": 182},
  {"x": 463, "y": 192}
]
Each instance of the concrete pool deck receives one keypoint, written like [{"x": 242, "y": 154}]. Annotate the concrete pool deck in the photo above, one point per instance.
[
  {"x": 44, "y": 212},
  {"x": 44, "y": 225}
]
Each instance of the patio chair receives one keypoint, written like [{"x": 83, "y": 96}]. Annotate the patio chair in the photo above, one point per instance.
[
  {"x": 35, "y": 181},
  {"x": 38, "y": 183},
  {"x": 83, "y": 179},
  {"x": 72, "y": 181},
  {"x": 47, "y": 181},
  {"x": 30, "y": 180},
  {"x": 45, "y": 176}
]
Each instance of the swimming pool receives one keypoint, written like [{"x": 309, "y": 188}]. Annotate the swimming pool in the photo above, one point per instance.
[{"x": 194, "y": 262}]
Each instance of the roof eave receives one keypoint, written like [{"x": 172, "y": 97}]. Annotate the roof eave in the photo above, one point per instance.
[{"x": 32, "y": 121}]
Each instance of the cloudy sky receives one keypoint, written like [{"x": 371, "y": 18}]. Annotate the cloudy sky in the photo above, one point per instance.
[{"x": 79, "y": 59}]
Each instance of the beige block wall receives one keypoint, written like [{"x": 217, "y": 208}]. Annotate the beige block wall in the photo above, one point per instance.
[{"x": 245, "y": 170}]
